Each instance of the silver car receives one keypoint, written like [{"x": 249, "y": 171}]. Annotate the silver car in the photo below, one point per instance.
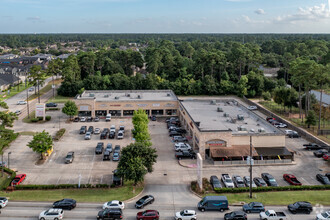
[
  {"x": 51, "y": 214},
  {"x": 186, "y": 214},
  {"x": 97, "y": 131},
  {"x": 88, "y": 136}
]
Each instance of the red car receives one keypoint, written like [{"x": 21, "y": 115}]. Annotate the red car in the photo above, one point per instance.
[
  {"x": 18, "y": 179},
  {"x": 148, "y": 214},
  {"x": 326, "y": 156},
  {"x": 291, "y": 179}
]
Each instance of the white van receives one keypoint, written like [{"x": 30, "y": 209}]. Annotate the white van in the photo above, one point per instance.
[{"x": 108, "y": 118}]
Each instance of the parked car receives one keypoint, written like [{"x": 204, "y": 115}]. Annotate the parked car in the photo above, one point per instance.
[
  {"x": 215, "y": 182},
  {"x": 109, "y": 214},
  {"x": 51, "y": 105},
  {"x": 112, "y": 135},
  {"x": 323, "y": 179},
  {"x": 145, "y": 200},
  {"x": 31, "y": 89},
  {"x": 185, "y": 154},
  {"x": 294, "y": 134},
  {"x": 21, "y": 103},
  {"x": 65, "y": 204},
  {"x": 97, "y": 131},
  {"x": 122, "y": 128},
  {"x": 113, "y": 128},
  {"x": 328, "y": 175},
  {"x": 18, "y": 112},
  {"x": 114, "y": 204},
  {"x": 89, "y": 119},
  {"x": 83, "y": 130},
  {"x": 103, "y": 135},
  {"x": 115, "y": 156},
  {"x": 117, "y": 149},
  {"x": 82, "y": 119},
  {"x": 227, "y": 181},
  {"x": 312, "y": 146},
  {"x": 91, "y": 129},
  {"x": 291, "y": 179},
  {"x": 51, "y": 214},
  {"x": 106, "y": 155},
  {"x": 300, "y": 207},
  {"x": 76, "y": 119},
  {"x": 174, "y": 133},
  {"x": 153, "y": 118},
  {"x": 280, "y": 125},
  {"x": 252, "y": 107},
  {"x": 320, "y": 153},
  {"x": 108, "y": 147},
  {"x": 323, "y": 216},
  {"x": 172, "y": 119},
  {"x": 148, "y": 214},
  {"x": 3, "y": 202},
  {"x": 180, "y": 139},
  {"x": 326, "y": 156},
  {"x": 238, "y": 181},
  {"x": 88, "y": 136},
  {"x": 69, "y": 157},
  {"x": 271, "y": 214},
  {"x": 269, "y": 179},
  {"x": 269, "y": 118},
  {"x": 259, "y": 181},
  {"x": 120, "y": 135},
  {"x": 236, "y": 215},
  {"x": 186, "y": 215},
  {"x": 18, "y": 179},
  {"x": 108, "y": 117},
  {"x": 287, "y": 132},
  {"x": 96, "y": 119},
  {"x": 99, "y": 148},
  {"x": 247, "y": 181},
  {"x": 213, "y": 203},
  {"x": 253, "y": 207},
  {"x": 182, "y": 146}
]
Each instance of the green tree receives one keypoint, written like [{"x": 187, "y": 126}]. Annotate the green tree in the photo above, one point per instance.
[
  {"x": 38, "y": 76},
  {"x": 141, "y": 132},
  {"x": 241, "y": 86},
  {"x": 41, "y": 143},
  {"x": 70, "y": 109},
  {"x": 311, "y": 118},
  {"x": 7, "y": 118}
]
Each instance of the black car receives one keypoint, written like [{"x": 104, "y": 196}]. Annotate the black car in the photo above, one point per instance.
[
  {"x": 112, "y": 135},
  {"x": 153, "y": 118},
  {"x": 51, "y": 105},
  {"x": 259, "y": 181},
  {"x": 65, "y": 204},
  {"x": 185, "y": 154},
  {"x": 269, "y": 179},
  {"x": 215, "y": 182},
  {"x": 300, "y": 207},
  {"x": 99, "y": 148},
  {"x": 117, "y": 149},
  {"x": 238, "y": 181},
  {"x": 76, "y": 119},
  {"x": 236, "y": 215},
  {"x": 312, "y": 146},
  {"x": 83, "y": 130},
  {"x": 174, "y": 133},
  {"x": 323, "y": 179},
  {"x": 254, "y": 207},
  {"x": 328, "y": 175},
  {"x": 89, "y": 119},
  {"x": 103, "y": 135},
  {"x": 91, "y": 129},
  {"x": 145, "y": 200},
  {"x": 172, "y": 119},
  {"x": 109, "y": 214},
  {"x": 106, "y": 155},
  {"x": 293, "y": 134},
  {"x": 320, "y": 153}
]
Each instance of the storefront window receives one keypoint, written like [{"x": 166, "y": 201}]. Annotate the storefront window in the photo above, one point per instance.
[
  {"x": 157, "y": 112},
  {"x": 100, "y": 113},
  {"x": 115, "y": 113},
  {"x": 84, "y": 113},
  {"x": 171, "y": 112},
  {"x": 128, "y": 112}
]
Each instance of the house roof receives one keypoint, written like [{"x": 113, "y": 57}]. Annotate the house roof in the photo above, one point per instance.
[{"x": 8, "y": 79}]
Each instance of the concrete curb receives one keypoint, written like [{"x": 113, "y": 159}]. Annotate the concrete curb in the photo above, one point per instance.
[{"x": 131, "y": 199}]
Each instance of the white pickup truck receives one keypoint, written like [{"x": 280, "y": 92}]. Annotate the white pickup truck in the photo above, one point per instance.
[{"x": 271, "y": 214}]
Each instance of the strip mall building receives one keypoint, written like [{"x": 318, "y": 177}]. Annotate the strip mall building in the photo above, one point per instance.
[{"x": 219, "y": 129}]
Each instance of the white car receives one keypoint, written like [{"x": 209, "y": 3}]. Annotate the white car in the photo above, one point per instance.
[
  {"x": 227, "y": 181},
  {"x": 113, "y": 128},
  {"x": 97, "y": 131},
  {"x": 18, "y": 112},
  {"x": 21, "y": 103},
  {"x": 186, "y": 214},
  {"x": 88, "y": 136},
  {"x": 51, "y": 214},
  {"x": 252, "y": 107},
  {"x": 182, "y": 146},
  {"x": 3, "y": 202},
  {"x": 323, "y": 215},
  {"x": 281, "y": 125},
  {"x": 120, "y": 135},
  {"x": 82, "y": 119},
  {"x": 114, "y": 204},
  {"x": 287, "y": 132}
]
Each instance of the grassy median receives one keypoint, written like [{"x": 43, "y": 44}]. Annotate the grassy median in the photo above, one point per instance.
[
  {"x": 81, "y": 195},
  {"x": 281, "y": 198}
]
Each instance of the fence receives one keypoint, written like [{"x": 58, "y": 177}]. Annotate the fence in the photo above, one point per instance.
[{"x": 256, "y": 162}]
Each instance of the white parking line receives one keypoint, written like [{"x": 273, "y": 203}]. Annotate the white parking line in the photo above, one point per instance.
[
  {"x": 101, "y": 179},
  {"x": 58, "y": 180}
]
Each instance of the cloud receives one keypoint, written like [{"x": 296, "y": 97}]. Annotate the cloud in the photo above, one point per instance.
[
  {"x": 34, "y": 18},
  {"x": 314, "y": 13},
  {"x": 260, "y": 11}
]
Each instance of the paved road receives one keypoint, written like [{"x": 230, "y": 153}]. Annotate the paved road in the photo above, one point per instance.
[{"x": 31, "y": 210}]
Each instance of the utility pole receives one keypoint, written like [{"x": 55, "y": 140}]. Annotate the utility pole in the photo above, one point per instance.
[
  {"x": 53, "y": 86},
  {"x": 250, "y": 166},
  {"x": 27, "y": 96},
  {"x": 2, "y": 165}
]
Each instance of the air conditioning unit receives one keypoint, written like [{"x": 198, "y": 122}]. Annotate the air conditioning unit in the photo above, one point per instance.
[
  {"x": 106, "y": 96},
  {"x": 139, "y": 96},
  {"x": 168, "y": 94},
  {"x": 225, "y": 114},
  {"x": 116, "y": 97},
  {"x": 219, "y": 109},
  {"x": 241, "y": 128},
  {"x": 240, "y": 117},
  {"x": 261, "y": 130},
  {"x": 91, "y": 95},
  {"x": 213, "y": 102}
]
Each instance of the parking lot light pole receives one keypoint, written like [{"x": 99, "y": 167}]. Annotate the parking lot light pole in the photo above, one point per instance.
[
  {"x": 2, "y": 164},
  {"x": 8, "y": 159},
  {"x": 250, "y": 166}
]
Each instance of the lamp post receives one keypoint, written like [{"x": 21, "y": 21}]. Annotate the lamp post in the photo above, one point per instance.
[
  {"x": 250, "y": 161},
  {"x": 2, "y": 165},
  {"x": 27, "y": 96},
  {"x": 8, "y": 159}
]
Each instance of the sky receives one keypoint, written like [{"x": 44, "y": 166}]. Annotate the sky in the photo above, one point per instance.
[{"x": 165, "y": 16}]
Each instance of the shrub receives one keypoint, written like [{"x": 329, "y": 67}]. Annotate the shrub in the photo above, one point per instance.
[
  {"x": 7, "y": 182},
  {"x": 48, "y": 117},
  {"x": 40, "y": 118},
  {"x": 34, "y": 119},
  {"x": 60, "y": 186},
  {"x": 266, "y": 96},
  {"x": 7, "y": 136},
  {"x": 59, "y": 134}
]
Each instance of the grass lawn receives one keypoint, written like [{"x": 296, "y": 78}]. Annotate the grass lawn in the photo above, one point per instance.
[
  {"x": 81, "y": 195},
  {"x": 45, "y": 89},
  {"x": 281, "y": 198},
  {"x": 28, "y": 120},
  {"x": 28, "y": 133},
  {"x": 59, "y": 99},
  {"x": 13, "y": 91}
]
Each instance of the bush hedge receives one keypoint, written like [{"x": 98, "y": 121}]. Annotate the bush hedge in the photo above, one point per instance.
[
  {"x": 7, "y": 182},
  {"x": 52, "y": 109},
  {"x": 48, "y": 117},
  {"x": 59, "y": 134},
  {"x": 34, "y": 119},
  {"x": 60, "y": 186},
  {"x": 195, "y": 188},
  {"x": 7, "y": 136}
]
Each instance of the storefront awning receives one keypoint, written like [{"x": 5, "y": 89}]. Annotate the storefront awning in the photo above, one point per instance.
[
  {"x": 234, "y": 151},
  {"x": 273, "y": 151}
]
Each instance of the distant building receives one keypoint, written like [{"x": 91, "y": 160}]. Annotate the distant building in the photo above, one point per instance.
[
  {"x": 6, "y": 80},
  {"x": 8, "y": 56},
  {"x": 325, "y": 97}
]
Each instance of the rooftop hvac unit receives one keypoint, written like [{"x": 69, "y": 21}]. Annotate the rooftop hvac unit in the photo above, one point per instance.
[
  {"x": 128, "y": 95},
  {"x": 219, "y": 109},
  {"x": 213, "y": 102},
  {"x": 91, "y": 95},
  {"x": 168, "y": 94},
  {"x": 240, "y": 117},
  {"x": 261, "y": 130},
  {"x": 139, "y": 96},
  {"x": 225, "y": 114},
  {"x": 116, "y": 97},
  {"x": 106, "y": 96},
  {"x": 233, "y": 120},
  {"x": 252, "y": 130},
  {"x": 241, "y": 128}
]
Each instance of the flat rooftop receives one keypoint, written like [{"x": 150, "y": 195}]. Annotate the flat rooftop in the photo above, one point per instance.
[
  {"x": 128, "y": 95},
  {"x": 224, "y": 114}
]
